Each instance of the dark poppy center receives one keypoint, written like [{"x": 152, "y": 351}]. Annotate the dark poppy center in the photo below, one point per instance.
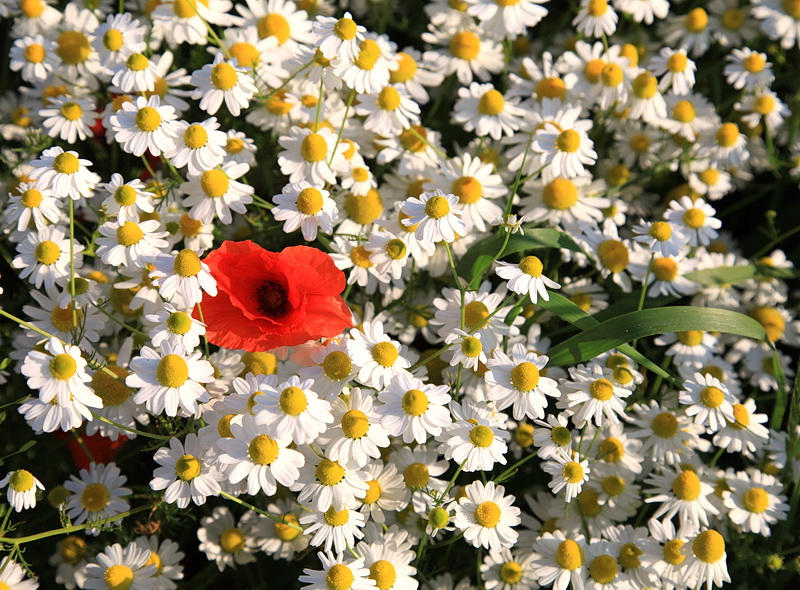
[{"x": 273, "y": 301}]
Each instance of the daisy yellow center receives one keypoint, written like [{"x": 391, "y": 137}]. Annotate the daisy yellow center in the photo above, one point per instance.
[
  {"x": 603, "y": 569},
  {"x": 383, "y": 573},
  {"x": 491, "y": 103},
  {"x": 568, "y": 141},
  {"x": 511, "y": 572},
  {"x": 172, "y": 371},
  {"x": 21, "y": 480},
  {"x": 696, "y": 20},
  {"x": 711, "y": 397},
  {"x": 406, "y": 69},
  {"x": 373, "y": 493},
  {"x": 612, "y": 75},
  {"x": 112, "y": 391},
  {"x": 507, "y": 2},
  {"x": 727, "y": 134},
  {"x": 286, "y": 532},
  {"x": 215, "y": 183},
  {"x": 245, "y": 53},
  {"x": 665, "y": 269},
  {"x": 531, "y": 265},
  {"x": 593, "y": 70},
  {"x": 629, "y": 556},
  {"x": 487, "y": 514},
  {"x": 755, "y": 500},
  {"x": 645, "y": 85},
  {"x": 709, "y": 176},
  {"x": 687, "y": 486},
  {"x": 385, "y": 353},
  {"x": 481, "y": 436},
  {"x": 273, "y": 25},
  {"x": 414, "y": 139},
  {"x": 771, "y": 319},
  {"x": 474, "y": 314},
  {"x": 63, "y": 367},
  {"x": 337, "y": 517},
  {"x": 368, "y": 55},
  {"x": 677, "y": 63},
  {"x": 388, "y": 99},
  {"x": 709, "y": 546},
  {"x": 314, "y": 148},
  {"x": 31, "y": 8},
  {"x": 329, "y": 473},
  {"x": 47, "y": 252},
  {"x": 355, "y": 424},
  {"x": 661, "y": 231},
  {"x": 416, "y": 475},
  {"x": 613, "y": 485},
  {"x": 31, "y": 198},
  {"x": 395, "y": 249},
  {"x": 187, "y": 467},
  {"x": 694, "y": 218},
  {"x": 309, "y": 201},
  {"x": 148, "y": 119},
  {"x": 471, "y": 346},
  {"x": 263, "y": 450},
  {"x": 224, "y": 76},
  {"x": 72, "y": 549},
  {"x": 63, "y": 320},
  {"x": 523, "y": 435},
  {"x": 415, "y": 402},
  {"x": 691, "y": 337},
  {"x": 597, "y": 7},
  {"x": 360, "y": 174},
  {"x": 573, "y": 472},
  {"x": 640, "y": 143},
  {"x": 125, "y": 195},
  {"x": 118, "y": 577},
  {"x": 73, "y": 47},
  {"x": 137, "y": 62},
  {"x": 337, "y": 365},
  {"x": 155, "y": 559},
  {"x": 665, "y": 425},
  {"x": 364, "y": 210},
  {"x": 187, "y": 263},
  {"x": 525, "y": 376},
  {"x": 612, "y": 450},
  {"x": 339, "y": 576},
  {"x": 252, "y": 402},
  {"x": 129, "y": 233},
  {"x": 195, "y": 136},
  {"x": 224, "y": 426},
  {"x": 569, "y": 555},
  {"x": 468, "y": 189},
  {"x": 360, "y": 256},
  {"x": 684, "y": 111},
  {"x": 293, "y": 401},
  {"x": 673, "y": 552},
  {"x": 741, "y": 417},
  {"x": 234, "y": 145},
  {"x": 437, "y": 207},
  {"x": 66, "y": 163},
  {"x": 179, "y": 323},
  {"x": 560, "y": 194},
  {"x": 614, "y": 255},
  {"x": 561, "y": 436},
  {"x": 465, "y": 45},
  {"x": 438, "y": 517},
  {"x": 601, "y": 390},
  {"x": 345, "y": 29},
  {"x": 551, "y": 88},
  {"x": 71, "y": 111},
  {"x": 95, "y": 497},
  {"x": 232, "y": 540}
]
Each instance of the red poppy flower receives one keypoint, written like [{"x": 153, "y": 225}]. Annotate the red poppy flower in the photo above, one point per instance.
[{"x": 270, "y": 299}]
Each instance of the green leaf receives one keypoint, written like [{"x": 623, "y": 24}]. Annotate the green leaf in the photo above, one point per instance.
[
  {"x": 794, "y": 407},
  {"x": 728, "y": 275},
  {"x": 622, "y": 329},
  {"x": 482, "y": 254}
]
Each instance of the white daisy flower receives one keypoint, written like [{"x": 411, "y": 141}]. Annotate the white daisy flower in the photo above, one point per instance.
[
  {"x": 560, "y": 561},
  {"x": 466, "y": 50},
  {"x": 413, "y": 74},
  {"x": 136, "y": 74},
  {"x": 413, "y": 409},
  {"x": 660, "y": 237},
  {"x": 223, "y": 81},
  {"x": 748, "y": 69},
  {"x": 170, "y": 380},
  {"x": 368, "y": 72},
  {"x": 695, "y": 219},
  {"x": 682, "y": 492},
  {"x": 216, "y": 192},
  {"x": 477, "y": 443},
  {"x": 59, "y": 373},
  {"x": 564, "y": 201},
  {"x": 145, "y": 125},
  {"x": 116, "y": 567},
  {"x": 64, "y": 174},
  {"x": 389, "y": 253},
  {"x": 30, "y": 206},
  {"x": 564, "y": 144},
  {"x": 34, "y": 57},
  {"x": 595, "y": 19},
  {"x": 386, "y": 493},
  {"x": 293, "y": 411},
  {"x": 689, "y": 115},
  {"x": 120, "y": 36},
  {"x": 568, "y": 474},
  {"x": 552, "y": 436},
  {"x": 166, "y": 557},
  {"x": 763, "y": 105},
  {"x": 175, "y": 327},
  {"x": 69, "y": 118},
  {"x": 599, "y": 399},
  {"x": 508, "y": 571},
  {"x": 436, "y": 216},
  {"x": 239, "y": 148},
  {"x": 283, "y": 539},
  {"x": 526, "y": 278},
  {"x": 182, "y": 273},
  {"x": 746, "y": 433},
  {"x": 486, "y": 516},
  {"x": 755, "y": 502},
  {"x": 483, "y": 109},
  {"x": 644, "y": 10},
  {"x": 22, "y": 486},
  {"x": 377, "y": 357},
  {"x": 676, "y": 70},
  {"x": 262, "y": 460},
  {"x": 96, "y": 494},
  {"x": 333, "y": 368},
  {"x": 706, "y": 560},
  {"x": 13, "y": 576},
  {"x": 337, "y": 529},
  {"x": 131, "y": 244},
  {"x": 507, "y": 20},
  {"x": 304, "y": 206},
  {"x": 337, "y": 574},
  {"x": 356, "y": 434},
  {"x": 612, "y": 254},
  {"x": 517, "y": 381},
  {"x": 338, "y": 38},
  {"x": 324, "y": 483},
  {"x": 184, "y": 473},
  {"x": 126, "y": 199},
  {"x": 198, "y": 146},
  {"x": 389, "y": 564},
  {"x": 308, "y": 155},
  {"x": 44, "y": 257},
  {"x": 468, "y": 349},
  {"x": 780, "y": 20},
  {"x": 709, "y": 401},
  {"x": 389, "y": 111},
  {"x": 227, "y": 542}
]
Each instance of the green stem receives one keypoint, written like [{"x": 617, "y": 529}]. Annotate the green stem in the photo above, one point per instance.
[
  {"x": 119, "y": 322},
  {"x": 261, "y": 512},
  {"x": 72, "y": 267},
  {"x": 350, "y": 98},
  {"x": 131, "y": 430},
  {"x": 439, "y": 152},
  {"x": 203, "y": 321}
]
